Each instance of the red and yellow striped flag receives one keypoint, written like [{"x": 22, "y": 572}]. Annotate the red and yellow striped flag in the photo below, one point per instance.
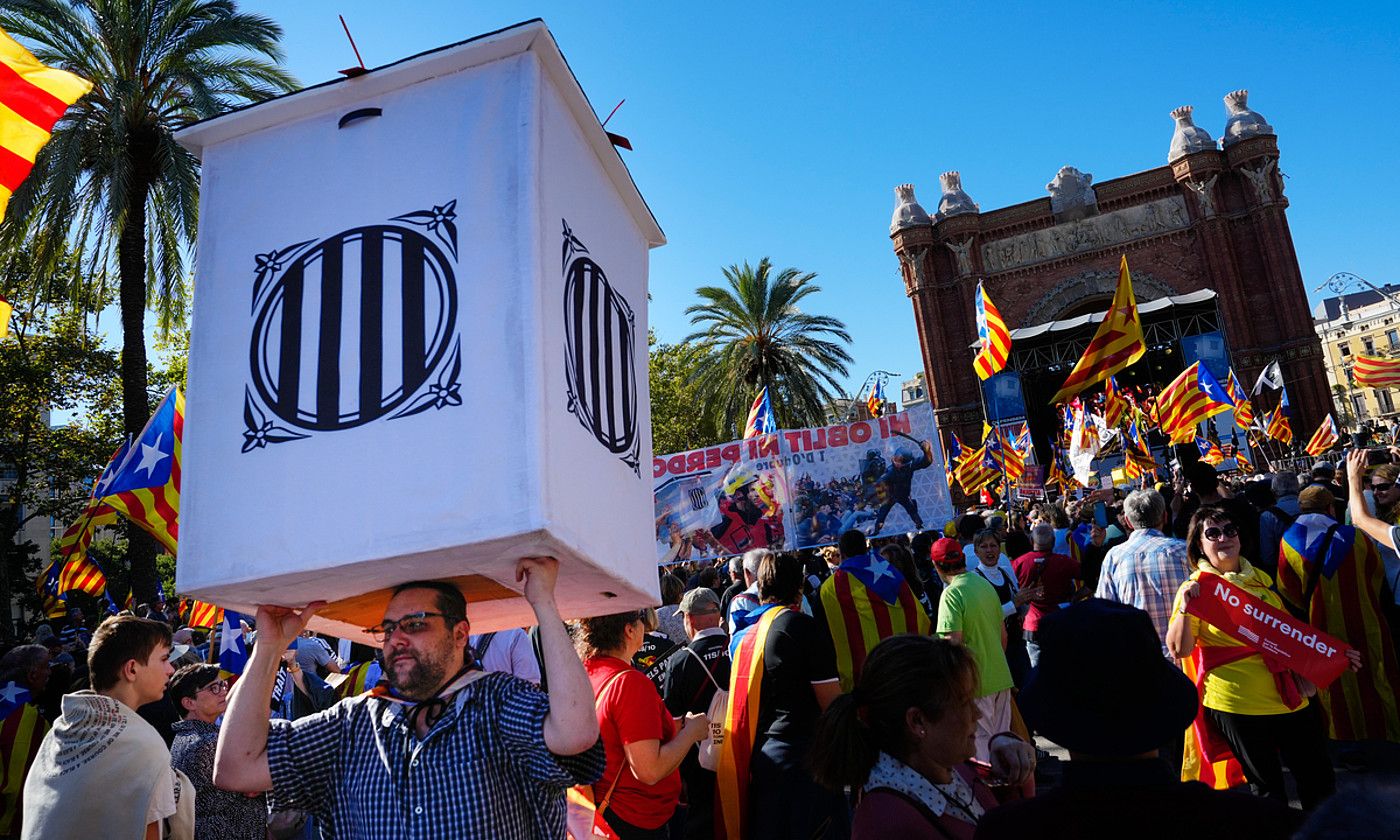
[
  {"x": 1192, "y": 396},
  {"x": 1371, "y": 372},
  {"x": 993, "y": 335},
  {"x": 32, "y": 98},
  {"x": 205, "y": 615},
  {"x": 1324, "y": 438},
  {"x": 1138, "y": 464},
  {"x": 860, "y": 617},
  {"x": 21, "y": 732},
  {"x": 145, "y": 486},
  {"x": 1117, "y": 343},
  {"x": 1115, "y": 405},
  {"x": 741, "y": 725},
  {"x": 1279, "y": 428},
  {"x": 81, "y": 573},
  {"x": 1244, "y": 412}
]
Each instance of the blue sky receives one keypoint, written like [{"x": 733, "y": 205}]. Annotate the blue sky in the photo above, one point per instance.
[{"x": 780, "y": 130}]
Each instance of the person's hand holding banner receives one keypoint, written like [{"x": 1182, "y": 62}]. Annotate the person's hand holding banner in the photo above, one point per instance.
[{"x": 1302, "y": 648}]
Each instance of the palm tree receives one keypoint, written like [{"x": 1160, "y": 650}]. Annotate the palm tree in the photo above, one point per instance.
[
  {"x": 757, "y": 336},
  {"x": 112, "y": 181}
]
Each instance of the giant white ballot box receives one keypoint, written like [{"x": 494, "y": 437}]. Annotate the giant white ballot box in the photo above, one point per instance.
[{"x": 419, "y": 343}]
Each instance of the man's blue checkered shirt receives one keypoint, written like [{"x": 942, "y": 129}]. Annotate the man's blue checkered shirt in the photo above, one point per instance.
[{"x": 483, "y": 769}]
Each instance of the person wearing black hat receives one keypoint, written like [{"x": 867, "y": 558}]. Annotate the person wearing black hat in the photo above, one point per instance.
[{"x": 1103, "y": 691}]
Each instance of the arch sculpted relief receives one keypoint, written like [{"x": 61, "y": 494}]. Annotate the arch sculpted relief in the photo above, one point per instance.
[
  {"x": 1072, "y": 291},
  {"x": 1094, "y": 233}
]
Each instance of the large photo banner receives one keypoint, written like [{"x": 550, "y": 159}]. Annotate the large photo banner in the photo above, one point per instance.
[{"x": 801, "y": 488}]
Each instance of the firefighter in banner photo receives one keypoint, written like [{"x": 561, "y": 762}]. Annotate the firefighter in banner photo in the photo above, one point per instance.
[
  {"x": 898, "y": 479},
  {"x": 751, "y": 515}
]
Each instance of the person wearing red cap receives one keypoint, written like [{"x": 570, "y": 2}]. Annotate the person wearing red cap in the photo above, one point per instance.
[{"x": 969, "y": 612}]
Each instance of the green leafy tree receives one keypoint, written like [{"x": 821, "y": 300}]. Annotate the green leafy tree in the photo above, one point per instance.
[
  {"x": 112, "y": 181},
  {"x": 677, "y": 423},
  {"x": 49, "y": 364},
  {"x": 754, "y": 335}
]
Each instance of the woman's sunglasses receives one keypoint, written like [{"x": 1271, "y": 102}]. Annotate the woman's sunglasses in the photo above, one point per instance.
[{"x": 1217, "y": 534}]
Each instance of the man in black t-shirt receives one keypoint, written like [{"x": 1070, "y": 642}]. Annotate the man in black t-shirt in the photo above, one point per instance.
[{"x": 692, "y": 677}]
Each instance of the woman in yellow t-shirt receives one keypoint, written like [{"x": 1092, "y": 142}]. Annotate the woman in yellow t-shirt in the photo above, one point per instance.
[{"x": 1243, "y": 699}]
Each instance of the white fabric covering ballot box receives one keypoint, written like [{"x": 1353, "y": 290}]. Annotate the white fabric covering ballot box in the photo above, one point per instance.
[{"x": 419, "y": 343}]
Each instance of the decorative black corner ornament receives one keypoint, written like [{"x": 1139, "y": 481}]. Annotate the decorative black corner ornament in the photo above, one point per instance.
[
  {"x": 600, "y": 354},
  {"x": 353, "y": 328}
]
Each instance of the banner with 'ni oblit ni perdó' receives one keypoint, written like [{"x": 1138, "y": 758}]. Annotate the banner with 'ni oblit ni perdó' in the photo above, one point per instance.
[{"x": 798, "y": 488}]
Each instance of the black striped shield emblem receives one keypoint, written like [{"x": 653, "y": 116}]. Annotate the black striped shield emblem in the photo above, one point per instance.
[
  {"x": 601, "y": 344},
  {"x": 353, "y": 328}
]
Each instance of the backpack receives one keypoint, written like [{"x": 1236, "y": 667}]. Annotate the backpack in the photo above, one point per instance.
[{"x": 709, "y": 748}]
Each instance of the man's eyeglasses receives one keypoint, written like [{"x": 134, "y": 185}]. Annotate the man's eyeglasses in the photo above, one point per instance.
[
  {"x": 1381, "y": 488},
  {"x": 1218, "y": 534},
  {"x": 215, "y": 688},
  {"x": 412, "y": 624}
]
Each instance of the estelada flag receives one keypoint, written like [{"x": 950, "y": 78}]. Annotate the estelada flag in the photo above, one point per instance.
[
  {"x": 1333, "y": 575},
  {"x": 22, "y": 730},
  {"x": 144, "y": 485},
  {"x": 1324, "y": 438},
  {"x": 1117, "y": 343},
  {"x": 992, "y": 334},
  {"x": 1279, "y": 427},
  {"x": 34, "y": 98},
  {"x": 760, "y": 420},
  {"x": 1192, "y": 396},
  {"x": 1372, "y": 372},
  {"x": 741, "y": 722},
  {"x": 867, "y": 600},
  {"x": 1244, "y": 412},
  {"x": 1115, "y": 405}
]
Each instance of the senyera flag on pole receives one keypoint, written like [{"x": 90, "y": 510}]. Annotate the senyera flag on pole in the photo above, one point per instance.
[
  {"x": 1324, "y": 438},
  {"x": 1117, "y": 343},
  {"x": 992, "y": 334},
  {"x": 34, "y": 98},
  {"x": 1371, "y": 372}
]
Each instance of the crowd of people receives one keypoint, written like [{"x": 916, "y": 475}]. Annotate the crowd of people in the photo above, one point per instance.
[{"x": 863, "y": 690}]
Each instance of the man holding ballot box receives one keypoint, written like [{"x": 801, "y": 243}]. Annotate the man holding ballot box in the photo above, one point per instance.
[{"x": 443, "y": 749}]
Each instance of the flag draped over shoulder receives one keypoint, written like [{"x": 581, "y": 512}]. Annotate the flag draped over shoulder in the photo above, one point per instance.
[
  {"x": 1372, "y": 372},
  {"x": 867, "y": 600},
  {"x": 1344, "y": 571},
  {"x": 741, "y": 722},
  {"x": 145, "y": 485},
  {"x": 34, "y": 98},
  {"x": 1191, "y": 397},
  {"x": 760, "y": 420},
  {"x": 1324, "y": 438},
  {"x": 1117, "y": 343},
  {"x": 993, "y": 335},
  {"x": 22, "y": 729}
]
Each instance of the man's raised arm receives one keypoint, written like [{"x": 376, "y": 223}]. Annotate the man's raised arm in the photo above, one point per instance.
[
  {"x": 571, "y": 726},
  {"x": 240, "y": 761}
]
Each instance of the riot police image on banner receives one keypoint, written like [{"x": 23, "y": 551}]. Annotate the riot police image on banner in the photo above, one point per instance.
[
  {"x": 354, "y": 328},
  {"x": 601, "y": 342}
]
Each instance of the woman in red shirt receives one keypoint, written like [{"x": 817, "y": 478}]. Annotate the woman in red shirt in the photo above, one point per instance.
[{"x": 641, "y": 786}]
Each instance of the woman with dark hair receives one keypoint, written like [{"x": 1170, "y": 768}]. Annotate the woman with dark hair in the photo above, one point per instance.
[
  {"x": 668, "y": 619},
  {"x": 1265, "y": 717},
  {"x": 783, "y": 676},
  {"x": 641, "y": 785},
  {"x": 903, "y": 560},
  {"x": 903, "y": 738}
]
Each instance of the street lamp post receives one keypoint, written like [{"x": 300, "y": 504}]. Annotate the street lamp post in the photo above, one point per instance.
[{"x": 882, "y": 375}]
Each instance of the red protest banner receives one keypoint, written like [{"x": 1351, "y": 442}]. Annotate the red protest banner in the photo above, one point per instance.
[{"x": 1304, "y": 649}]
